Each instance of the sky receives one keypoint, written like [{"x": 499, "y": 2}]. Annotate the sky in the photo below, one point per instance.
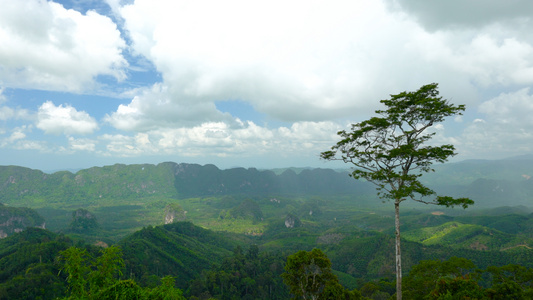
[{"x": 263, "y": 84}]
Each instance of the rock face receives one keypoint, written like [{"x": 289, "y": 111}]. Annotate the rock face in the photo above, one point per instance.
[
  {"x": 16, "y": 219},
  {"x": 83, "y": 221},
  {"x": 174, "y": 213},
  {"x": 292, "y": 221}
]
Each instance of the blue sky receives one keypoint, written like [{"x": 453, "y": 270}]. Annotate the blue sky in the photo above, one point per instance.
[{"x": 261, "y": 84}]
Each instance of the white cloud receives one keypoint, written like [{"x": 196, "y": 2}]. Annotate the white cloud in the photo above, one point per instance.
[
  {"x": 17, "y": 134},
  {"x": 64, "y": 120},
  {"x": 453, "y": 14},
  {"x": 45, "y": 46},
  {"x": 302, "y": 61},
  {"x": 218, "y": 139},
  {"x": 82, "y": 144},
  {"x": 123, "y": 145},
  {"x": 485, "y": 58},
  {"x": 513, "y": 109},
  {"x": 311, "y": 65},
  {"x": 296, "y": 61},
  {"x": 18, "y": 140},
  {"x": 31, "y": 145},
  {"x": 162, "y": 106},
  {"x": 7, "y": 112},
  {"x": 506, "y": 129}
]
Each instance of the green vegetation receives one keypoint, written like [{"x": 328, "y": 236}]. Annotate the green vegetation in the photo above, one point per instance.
[
  {"x": 249, "y": 274},
  {"x": 392, "y": 152},
  {"x": 83, "y": 221},
  {"x": 99, "y": 278},
  {"x": 309, "y": 276},
  {"x": 28, "y": 268},
  {"x": 235, "y": 244},
  {"x": 16, "y": 219}
]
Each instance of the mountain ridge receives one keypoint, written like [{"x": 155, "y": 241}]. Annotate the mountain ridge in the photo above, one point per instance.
[{"x": 489, "y": 183}]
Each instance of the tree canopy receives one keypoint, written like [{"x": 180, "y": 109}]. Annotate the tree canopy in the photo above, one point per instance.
[{"x": 392, "y": 151}]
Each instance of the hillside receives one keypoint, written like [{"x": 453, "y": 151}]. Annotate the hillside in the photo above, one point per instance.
[
  {"x": 28, "y": 265},
  {"x": 178, "y": 249},
  {"x": 17, "y": 219},
  {"x": 97, "y": 185},
  {"x": 467, "y": 236},
  {"x": 489, "y": 183},
  {"x": 271, "y": 213}
]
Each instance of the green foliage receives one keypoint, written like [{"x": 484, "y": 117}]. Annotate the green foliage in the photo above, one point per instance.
[
  {"x": 457, "y": 288},
  {"x": 15, "y": 219},
  {"x": 99, "y": 278},
  {"x": 174, "y": 213},
  {"x": 87, "y": 277},
  {"x": 357, "y": 238},
  {"x": 362, "y": 257},
  {"x": 309, "y": 276},
  {"x": 122, "y": 289},
  {"x": 27, "y": 265},
  {"x": 458, "y": 278},
  {"x": 83, "y": 221},
  {"x": 391, "y": 152},
  {"x": 334, "y": 290},
  {"x": 166, "y": 291},
  {"x": 106, "y": 268},
  {"x": 77, "y": 269},
  {"x": 249, "y": 275},
  {"x": 388, "y": 150},
  {"x": 179, "y": 249},
  {"x": 510, "y": 281},
  {"x": 423, "y": 277},
  {"x": 248, "y": 209},
  {"x": 458, "y": 235}
]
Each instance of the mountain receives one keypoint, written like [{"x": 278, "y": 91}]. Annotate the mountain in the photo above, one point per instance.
[
  {"x": 17, "y": 219},
  {"x": 179, "y": 249},
  {"x": 489, "y": 183},
  {"x": 28, "y": 265},
  {"x": 468, "y": 236},
  {"x": 27, "y": 187}
]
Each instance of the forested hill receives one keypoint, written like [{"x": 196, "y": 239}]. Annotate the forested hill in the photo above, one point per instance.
[
  {"x": 489, "y": 183},
  {"x": 23, "y": 186}
]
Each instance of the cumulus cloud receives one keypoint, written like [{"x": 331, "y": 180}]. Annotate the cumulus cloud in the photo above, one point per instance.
[
  {"x": 218, "y": 139},
  {"x": 507, "y": 126},
  {"x": 163, "y": 106},
  {"x": 17, "y": 134},
  {"x": 81, "y": 144},
  {"x": 64, "y": 120},
  {"x": 302, "y": 61},
  {"x": 296, "y": 61},
  {"x": 18, "y": 140},
  {"x": 45, "y": 46},
  {"x": 513, "y": 109},
  {"x": 311, "y": 65},
  {"x": 453, "y": 14},
  {"x": 7, "y": 112}
]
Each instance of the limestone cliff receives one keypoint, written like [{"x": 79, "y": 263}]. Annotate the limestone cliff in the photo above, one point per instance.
[
  {"x": 83, "y": 221},
  {"x": 16, "y": 219},
  {"x": 174, "y": 213},
  {"x": 292, "y": 221}
]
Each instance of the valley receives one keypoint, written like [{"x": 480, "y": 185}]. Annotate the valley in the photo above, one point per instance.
[{"x": 185, "y": 220}]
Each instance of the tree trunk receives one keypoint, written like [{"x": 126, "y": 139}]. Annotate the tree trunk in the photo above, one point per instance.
[{"x": 398, "y": 251}]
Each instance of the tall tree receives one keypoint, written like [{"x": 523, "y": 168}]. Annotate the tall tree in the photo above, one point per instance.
[
  {"x": 391, "y": 151},
  {"x": 308, "y": 273}
]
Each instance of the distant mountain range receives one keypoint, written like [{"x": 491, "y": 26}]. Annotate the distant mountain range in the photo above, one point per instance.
[{"x": 490, "y": 183}]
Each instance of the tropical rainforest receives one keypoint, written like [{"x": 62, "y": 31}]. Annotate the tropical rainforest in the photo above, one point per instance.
[{"x": 186, "y": 231}]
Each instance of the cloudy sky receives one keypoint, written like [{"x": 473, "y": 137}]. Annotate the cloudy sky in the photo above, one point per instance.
[{"x": 252, "y": 83}]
